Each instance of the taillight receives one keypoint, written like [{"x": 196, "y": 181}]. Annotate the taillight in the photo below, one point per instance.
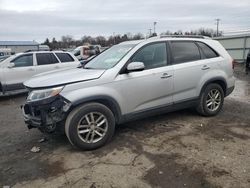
[{"x": 233, "y": 63}]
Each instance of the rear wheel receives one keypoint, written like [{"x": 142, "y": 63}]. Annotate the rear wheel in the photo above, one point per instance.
[
  {"x": 90, "y": 126},
  {"x": 211, "y": 100}
]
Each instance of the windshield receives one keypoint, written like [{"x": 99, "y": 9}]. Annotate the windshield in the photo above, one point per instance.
[{"x": 110, "y": 57}]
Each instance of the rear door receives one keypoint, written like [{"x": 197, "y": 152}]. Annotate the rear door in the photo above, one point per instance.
[
  {"x": 23, "y": 70},
  {"x": 66, "y": 60},
  {"x": 46, "y": 62},
  {"x": 189, "y": 67}
]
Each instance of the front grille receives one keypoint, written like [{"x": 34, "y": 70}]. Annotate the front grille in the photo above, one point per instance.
[{"x": 36, "y": 112}]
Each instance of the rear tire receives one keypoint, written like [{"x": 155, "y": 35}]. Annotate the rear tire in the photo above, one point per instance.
[
  {"x": 211, "y": 100},
  {"x": 90, "y": 126}
]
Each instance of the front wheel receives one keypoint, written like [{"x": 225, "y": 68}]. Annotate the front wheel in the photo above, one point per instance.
[
  {"x": 90, "y": 126},
  {"x": 211, "y": 100}
]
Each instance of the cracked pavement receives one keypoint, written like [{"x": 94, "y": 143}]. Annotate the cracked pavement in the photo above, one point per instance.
[{"x": 179, "y": 149}]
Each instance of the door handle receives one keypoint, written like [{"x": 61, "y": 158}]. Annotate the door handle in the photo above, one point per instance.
[
  {"x": 205, "y": 67},
  {"x": 31, "y": 69},
  {"x": 57, "y": 67},
  {"x": 165, "y": 75}
]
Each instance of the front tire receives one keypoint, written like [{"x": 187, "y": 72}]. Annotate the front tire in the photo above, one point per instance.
[
  {"x": 211, "y": 100},
  {"x": 90, "y": 126}
]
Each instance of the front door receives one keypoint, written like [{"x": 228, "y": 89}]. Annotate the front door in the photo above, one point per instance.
[
  {"x": 150, "y": 88},
  {"x": 22, "y": 70}
]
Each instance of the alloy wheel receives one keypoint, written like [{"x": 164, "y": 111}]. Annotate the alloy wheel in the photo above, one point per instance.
[
  {"x": 213, "y": 100},
  {"x": 92, "y": 127}
]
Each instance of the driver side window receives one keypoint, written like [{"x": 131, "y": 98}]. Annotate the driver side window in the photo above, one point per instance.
[
  {"x": 153, "y": 55},
  {"x": 23, "y": 61}
]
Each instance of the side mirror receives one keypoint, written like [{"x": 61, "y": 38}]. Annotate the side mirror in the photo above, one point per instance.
[
  {"x": 135, "y": 66},
  {"x": 11, "y": 65}
]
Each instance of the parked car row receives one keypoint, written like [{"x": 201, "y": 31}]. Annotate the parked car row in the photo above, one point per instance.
[
  {"x": 5, "y": 52},
  {"x": 16, "y": 69}
]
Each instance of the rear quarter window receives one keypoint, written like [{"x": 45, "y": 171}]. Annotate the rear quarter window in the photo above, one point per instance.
[
  {"x": 64, "y": 57},
  {"x": 208, "y": 51}
]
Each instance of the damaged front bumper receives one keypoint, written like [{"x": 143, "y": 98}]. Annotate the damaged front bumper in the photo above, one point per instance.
[{"x": 46, "y": 114}]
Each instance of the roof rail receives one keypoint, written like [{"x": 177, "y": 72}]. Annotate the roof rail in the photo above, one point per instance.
[{"x": 185, "y": 36}]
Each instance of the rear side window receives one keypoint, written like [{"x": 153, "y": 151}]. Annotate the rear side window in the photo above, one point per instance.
[
  {"x": 64, "y": 57},
  {"x": 46, "y": 59},
  {"x": 183, "y": 51},
  {"x": 23, "y": 61},
  {"x": 208, "y": 52}
]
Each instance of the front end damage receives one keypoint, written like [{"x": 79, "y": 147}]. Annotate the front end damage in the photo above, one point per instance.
[{"x": 47, "y": 114}]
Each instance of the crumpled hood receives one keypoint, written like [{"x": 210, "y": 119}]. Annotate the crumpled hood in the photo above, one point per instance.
[{"x": 62, "y": 77}]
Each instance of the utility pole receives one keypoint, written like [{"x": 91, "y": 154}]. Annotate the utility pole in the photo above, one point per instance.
[
  {"x": 154, "y": 26},
  {"x": 150, "y": 32},
  {"x": 217, "y": 23}
]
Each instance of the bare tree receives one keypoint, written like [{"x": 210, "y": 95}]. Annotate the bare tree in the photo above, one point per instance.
[
  {"x": 68, "y": 41},
  {"x": 138, "y": 36}
]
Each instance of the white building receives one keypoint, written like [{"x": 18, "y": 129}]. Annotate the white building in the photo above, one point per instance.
[
  {"x": 237, "y": 46},
  {"x": 20, "y": 46}
]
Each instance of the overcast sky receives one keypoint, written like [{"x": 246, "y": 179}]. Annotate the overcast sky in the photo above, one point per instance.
[{"x": 38, "y": 19}]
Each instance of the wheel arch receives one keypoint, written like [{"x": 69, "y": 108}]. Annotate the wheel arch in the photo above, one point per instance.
[
  {"x": 217, "y": 80},
  {"x": 108, "y": 101}
]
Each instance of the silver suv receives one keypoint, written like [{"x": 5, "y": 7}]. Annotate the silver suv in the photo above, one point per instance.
[{"x": 130, "y": 80}]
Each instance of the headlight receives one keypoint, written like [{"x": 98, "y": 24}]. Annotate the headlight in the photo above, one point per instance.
[{"x": 37, "y": 95}]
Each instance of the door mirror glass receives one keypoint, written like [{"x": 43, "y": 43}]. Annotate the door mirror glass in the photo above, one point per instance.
[
  {"x": 11, "y": 65},
  {"x": 135, "y": 66}
]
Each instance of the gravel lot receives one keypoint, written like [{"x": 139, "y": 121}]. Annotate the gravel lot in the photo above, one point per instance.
[{"x": 179, "y": 149}]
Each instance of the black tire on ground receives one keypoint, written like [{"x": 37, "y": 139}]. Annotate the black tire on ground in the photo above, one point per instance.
[
  {"x": 73, "y": 119},
  {"x": 202, "y": 107}
]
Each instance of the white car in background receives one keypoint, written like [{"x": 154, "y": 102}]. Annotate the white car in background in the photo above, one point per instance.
[
  {"x": 85, "y": 52},
  {"x": 20, "y": 67},
  {"x": 81, "y": 52}
]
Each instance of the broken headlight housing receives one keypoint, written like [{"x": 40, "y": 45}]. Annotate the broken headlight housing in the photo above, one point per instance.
[{"x": 37, "y": 95}]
